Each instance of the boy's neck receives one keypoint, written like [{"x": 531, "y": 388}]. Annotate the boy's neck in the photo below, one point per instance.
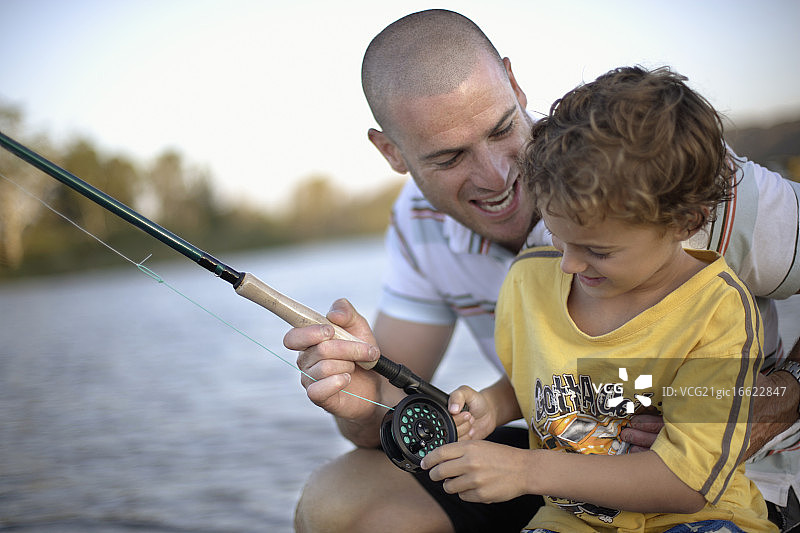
[{"x": 598, "y": 316}]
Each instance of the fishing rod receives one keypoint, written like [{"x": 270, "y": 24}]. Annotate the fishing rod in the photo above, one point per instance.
[{"x": 410, "y": 430}]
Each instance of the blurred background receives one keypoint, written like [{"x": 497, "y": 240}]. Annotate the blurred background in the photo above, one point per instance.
[
  {"x": 244, "y": 122},
  {"x": 241, "y": 126}
]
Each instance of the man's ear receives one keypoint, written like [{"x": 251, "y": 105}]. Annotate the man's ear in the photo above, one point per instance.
[
  {"x": 388, "y": 149},
  {"x": 521, "y": 98}
]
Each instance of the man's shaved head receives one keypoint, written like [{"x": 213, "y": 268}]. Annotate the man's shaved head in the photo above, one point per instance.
[{"x": 427, "y": 53}]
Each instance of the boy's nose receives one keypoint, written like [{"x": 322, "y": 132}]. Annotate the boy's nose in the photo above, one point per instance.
[{"x": 571, "y": 262}]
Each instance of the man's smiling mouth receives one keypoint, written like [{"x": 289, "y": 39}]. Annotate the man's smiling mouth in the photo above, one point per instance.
[{"x": 500, "y": 202}]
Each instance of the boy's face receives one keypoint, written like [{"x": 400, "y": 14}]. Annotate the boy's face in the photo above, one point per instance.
[{"x": 611, "y": 258}]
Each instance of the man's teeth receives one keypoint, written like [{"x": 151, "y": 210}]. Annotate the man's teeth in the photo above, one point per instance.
[{"x": 498, "y": 203}]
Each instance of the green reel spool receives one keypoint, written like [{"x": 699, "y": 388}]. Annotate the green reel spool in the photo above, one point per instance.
[{"x": 414, "y": 428}]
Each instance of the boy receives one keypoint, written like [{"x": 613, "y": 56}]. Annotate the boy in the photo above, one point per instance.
[{"x": 623, "y": 170}]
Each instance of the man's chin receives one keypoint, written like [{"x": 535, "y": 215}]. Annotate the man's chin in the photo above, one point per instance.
[{"x": 512, "y": 240}]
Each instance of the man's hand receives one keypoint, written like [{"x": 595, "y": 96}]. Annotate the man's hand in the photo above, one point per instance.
[
  {"x": 329, "y": 365},
  {"x": 773, "y": 414},
  {"x": 642, "y": 432}
]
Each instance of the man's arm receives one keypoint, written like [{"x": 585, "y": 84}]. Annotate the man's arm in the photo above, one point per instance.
[
  {"x": 773, "y": 415},
  {"x": 329, "y": 365}
]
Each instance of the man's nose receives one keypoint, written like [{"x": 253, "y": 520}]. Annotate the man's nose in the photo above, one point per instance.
[{"x": 493, "y": 169}]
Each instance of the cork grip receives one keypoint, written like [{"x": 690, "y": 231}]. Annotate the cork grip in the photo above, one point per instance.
[{"x": 291, "y": 311}]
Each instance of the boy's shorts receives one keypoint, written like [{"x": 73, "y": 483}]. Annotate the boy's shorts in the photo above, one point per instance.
[
  {"x": 706, "y": 526},
  {"x": 468, "y": 517}
]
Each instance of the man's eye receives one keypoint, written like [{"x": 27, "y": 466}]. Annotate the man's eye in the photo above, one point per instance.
[
  {"x": 505, "y": 131},
  {"x": 449, "y": 163}
]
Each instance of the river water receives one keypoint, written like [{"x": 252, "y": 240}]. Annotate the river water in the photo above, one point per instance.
[{"x": 123, "y": 406}]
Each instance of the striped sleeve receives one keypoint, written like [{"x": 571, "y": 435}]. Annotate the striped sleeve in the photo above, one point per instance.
[
  {"x": 758, "y": 231},
  {"x": 750, "y": 362},
  {"x": 706, "y": 435},
  {"x": 407, "y": 294}
]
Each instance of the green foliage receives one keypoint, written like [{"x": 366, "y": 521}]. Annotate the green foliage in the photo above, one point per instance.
[
  {"x": 174, "y": 194},
  {"x": 181, "y": 197}
]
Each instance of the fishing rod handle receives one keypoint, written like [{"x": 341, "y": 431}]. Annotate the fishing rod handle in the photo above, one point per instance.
[{"x": 291, "y": 311}]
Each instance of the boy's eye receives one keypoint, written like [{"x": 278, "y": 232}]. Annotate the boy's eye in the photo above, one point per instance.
[{"x": 598, "y": 255}]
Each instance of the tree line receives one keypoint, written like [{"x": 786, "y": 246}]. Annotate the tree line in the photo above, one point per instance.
[
  {"x": 171, "y": 191},
  {"x": 180, "y": 196}
]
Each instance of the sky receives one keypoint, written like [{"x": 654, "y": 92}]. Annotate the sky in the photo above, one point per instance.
[{"x": 264, "y": 94}]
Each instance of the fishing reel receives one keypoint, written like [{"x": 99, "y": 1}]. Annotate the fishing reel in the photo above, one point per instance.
[
  {"x": 414, "y": 428},
  {"x": 418, "y": 424}
]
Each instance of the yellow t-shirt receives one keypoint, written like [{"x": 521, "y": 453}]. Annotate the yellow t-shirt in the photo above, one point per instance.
[{"x": 694, "y": 357}]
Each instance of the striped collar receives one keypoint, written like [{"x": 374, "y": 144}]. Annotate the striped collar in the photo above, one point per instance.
[{"x": 462, "y": 240}]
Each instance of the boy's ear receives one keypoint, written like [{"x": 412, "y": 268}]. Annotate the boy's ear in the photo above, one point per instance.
[
  {"x": 693, "y": 223},
  {"x": 388, "y": 149}
]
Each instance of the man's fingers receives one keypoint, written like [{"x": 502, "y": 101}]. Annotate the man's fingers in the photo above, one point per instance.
[
  {"x": 336, "y": 350},
  {"x": 327, "y": 368},
  {"x": 299, "y": 339},
  {"x": 642, "y": 431},
  {"x": 635, "y": 437},
  {"x": 647, "y": 423},
  {"x": 637, "y": 449},
  {"x": 343, "y": 314},
  {"x": 321, "y": 391}
]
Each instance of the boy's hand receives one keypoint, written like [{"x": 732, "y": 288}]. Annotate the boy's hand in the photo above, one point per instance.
[
  {"x": 476, "y": 423},
  {"x": 479, "y": 470}
]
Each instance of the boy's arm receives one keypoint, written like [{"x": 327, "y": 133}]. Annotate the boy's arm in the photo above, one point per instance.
[
  {"x": 486, "y": 472},
  {"x": 502, "y": 398},
  {"x": 641, "y": 481}
]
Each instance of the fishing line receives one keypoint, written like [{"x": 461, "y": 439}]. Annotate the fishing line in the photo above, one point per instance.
[
  {"x": 159, "y": 279},
  {"x": 409, "y": 431}
]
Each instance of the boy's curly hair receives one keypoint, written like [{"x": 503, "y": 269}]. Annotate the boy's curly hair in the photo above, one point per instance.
[{"x": 634, "y": 144}]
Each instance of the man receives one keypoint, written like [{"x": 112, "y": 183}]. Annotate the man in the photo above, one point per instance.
[{"x": 453, "y": 116}]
